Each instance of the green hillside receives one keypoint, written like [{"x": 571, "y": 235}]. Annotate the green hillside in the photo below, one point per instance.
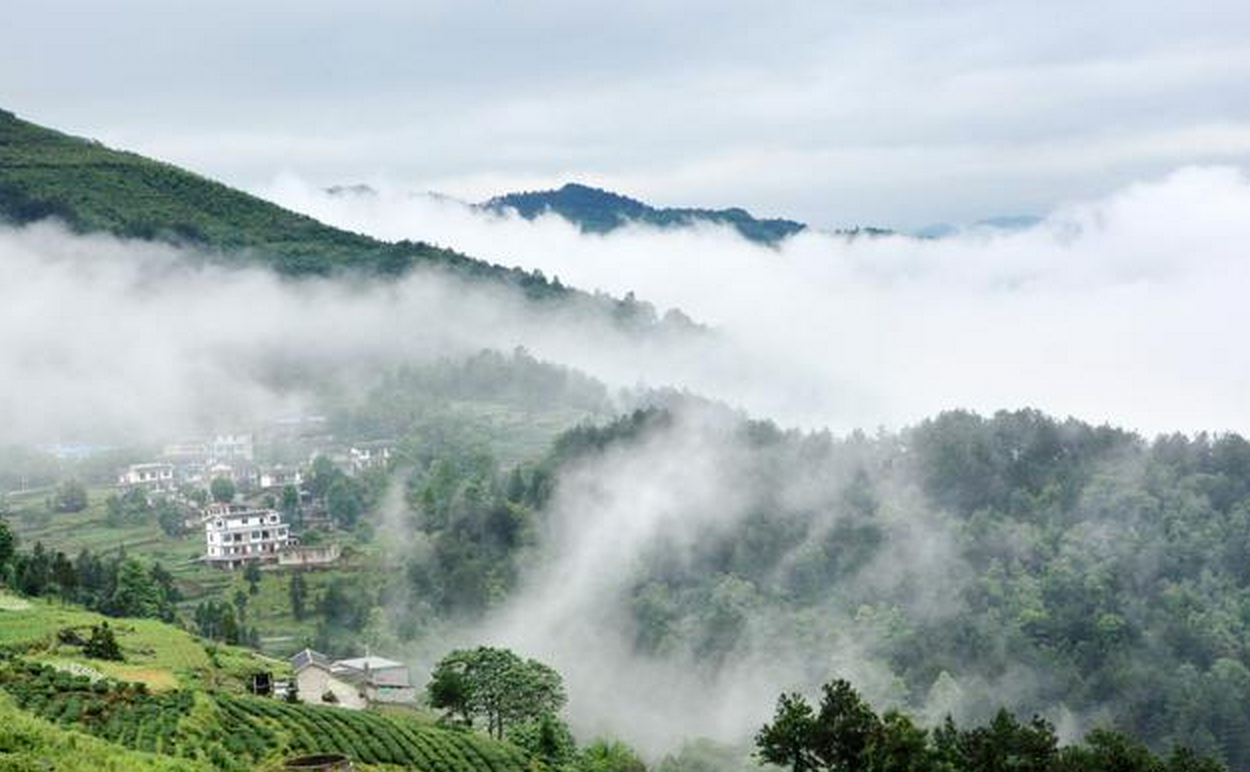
[
  {"x": 30, "y": 744},
  {"x": 44, "y": 173},
  {"x": 183, "y": 699}
]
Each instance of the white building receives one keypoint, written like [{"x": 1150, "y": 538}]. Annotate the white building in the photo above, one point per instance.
[
  {"x": 351, "y": 683},
  {"x": 280, "y": 477},
  {"x": 236, "y": 534},
  {"x": 154, "y": 477},
  {"x": 369, "y": 455},
  {"x": 231, "y": 447}
]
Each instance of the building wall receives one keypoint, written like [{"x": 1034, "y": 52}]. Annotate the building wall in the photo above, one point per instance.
[
  {"x": 309, "y": 556},
  {"x": 383, "y": 693},
  {"x": 259, "y": 534},
  {"x": 313, "y": 682}
]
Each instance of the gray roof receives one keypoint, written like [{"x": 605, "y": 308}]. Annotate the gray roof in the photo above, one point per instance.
[
  {"x": 303, "y": 659},
  {"x": 372, "y": 663}
]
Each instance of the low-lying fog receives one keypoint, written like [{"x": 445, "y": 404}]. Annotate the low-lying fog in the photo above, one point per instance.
[
  {"x": 1127, "y": 309},
  {"x": 1124, "y": 309}
]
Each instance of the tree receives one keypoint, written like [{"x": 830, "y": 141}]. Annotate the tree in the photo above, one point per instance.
[
  {"x": 844, "y": 729},
  {"x": 609, "y": 756},
  {"x": 102, "y": 644},
  {"x": 129, "y": 508},
  {"x": 290, "y": 505},
  {"x": 240, "y": 605},
  {"x": 448, "y": 690},
  {"x": 251, "y": 573},
  {"x": 344, "y": 502},
  {"x": 222, "y": 490},
  {"x": 170, "y": 518},
  {"x": 70, "y": 496},
  {"x": 495, "y": 685},
  {"x": 8, "y": 549},
  {"x": 136, "y": 593},
  {"x": 788, "y": 740},
  {"x": 34, "y": 571},
  {"x": 547, "y": 739},
  {"x": 299, "y": 596},
  {"x": 64, "y": 577}
]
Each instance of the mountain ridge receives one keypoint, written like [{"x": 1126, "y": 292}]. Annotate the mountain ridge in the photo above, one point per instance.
[
  {"x": 595, "y": 210},
  {"x": 48, "y": 174}
]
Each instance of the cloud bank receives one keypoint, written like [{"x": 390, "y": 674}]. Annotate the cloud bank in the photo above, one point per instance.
[
  {"x": 132, "y": 342},
  {"x": 1122, "y": 309}
]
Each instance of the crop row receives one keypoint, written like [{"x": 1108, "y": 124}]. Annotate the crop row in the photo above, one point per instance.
[
  {"x": 119, "y": 712},
  {"x": 373, "y": 739}
]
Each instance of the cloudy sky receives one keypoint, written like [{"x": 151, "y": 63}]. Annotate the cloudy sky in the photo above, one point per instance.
[{"x": 837, "y": 113}]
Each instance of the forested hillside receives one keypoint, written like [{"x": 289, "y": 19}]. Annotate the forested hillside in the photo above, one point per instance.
[
  {"x": 44, "y": 173},
  {"x": 1080, "y": 572}
]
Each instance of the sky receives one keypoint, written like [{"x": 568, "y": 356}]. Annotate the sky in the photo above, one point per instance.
[{"x": 836, "y": 113}]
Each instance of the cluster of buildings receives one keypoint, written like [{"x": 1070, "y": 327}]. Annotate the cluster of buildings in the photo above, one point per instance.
[
  {"x": 233, "y": 457},
  {"x": 236, "y": 534}
]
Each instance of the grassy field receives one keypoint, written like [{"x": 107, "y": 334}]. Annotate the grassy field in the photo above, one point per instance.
[{"x": 159, "y": 655}]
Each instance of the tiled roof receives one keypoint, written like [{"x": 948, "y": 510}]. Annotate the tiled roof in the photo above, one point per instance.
[{"x": 303, "y": 659}]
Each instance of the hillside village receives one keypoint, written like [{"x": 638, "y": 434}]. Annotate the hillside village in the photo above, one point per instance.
[
  {"x": 253, "y": 513},
  {"x": 248, "y": 511}
]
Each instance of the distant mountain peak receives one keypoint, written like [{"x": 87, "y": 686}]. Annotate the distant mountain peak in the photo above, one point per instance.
[
  {"x": 357, "y": 189},
  {"x": 595, "y": 210}
]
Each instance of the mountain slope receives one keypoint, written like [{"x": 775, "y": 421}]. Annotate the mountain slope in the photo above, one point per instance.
[
  {"x": 200, "y": 722},
  {"x": 44, "y": 173},
  {"x": 601, "y": 211}
]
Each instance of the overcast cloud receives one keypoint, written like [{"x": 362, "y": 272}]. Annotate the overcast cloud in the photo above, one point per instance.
[{"x": 835, "y": 113}]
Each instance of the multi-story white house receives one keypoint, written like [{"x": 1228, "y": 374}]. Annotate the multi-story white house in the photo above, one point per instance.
[
  {"x": 154, "y": 477},
  {"x": 236, "y": 534}
]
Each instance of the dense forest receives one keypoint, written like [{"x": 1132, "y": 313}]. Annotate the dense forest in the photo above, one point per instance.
[
  {"x": 1079, "y": 572},
  {"x": 1082, "y": 573}
]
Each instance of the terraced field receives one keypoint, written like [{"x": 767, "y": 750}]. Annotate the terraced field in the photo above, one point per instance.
[
  {"x": 159, "y": 655},
  {"x": 371, "y": 738},
  {"x": 235, "y": 733}
]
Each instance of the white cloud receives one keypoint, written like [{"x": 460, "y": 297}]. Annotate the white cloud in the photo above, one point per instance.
[{"x": 1121, "y": 309}]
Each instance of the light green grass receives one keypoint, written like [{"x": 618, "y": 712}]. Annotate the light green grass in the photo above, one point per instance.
[{"x": 158, "y": 654}]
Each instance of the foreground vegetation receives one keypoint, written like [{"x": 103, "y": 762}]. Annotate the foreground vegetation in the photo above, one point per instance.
[
  {"x": 843, "y": 734},
  {"x": 29, "y": 744}
]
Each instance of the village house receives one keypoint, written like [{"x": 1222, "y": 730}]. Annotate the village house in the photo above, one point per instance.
[
  {"x": 153, "y": 477},
  {"x": 351, "y": 683},
  {"x": 368, "y": 455},
  {"x": 280, "y": 477},
  {"x": 238, "y": 534}
]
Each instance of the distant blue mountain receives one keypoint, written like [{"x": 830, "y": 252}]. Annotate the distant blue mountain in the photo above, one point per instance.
[
  {"x": 1004, "y": 223},
  {"x": 600, "y": 211}
]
